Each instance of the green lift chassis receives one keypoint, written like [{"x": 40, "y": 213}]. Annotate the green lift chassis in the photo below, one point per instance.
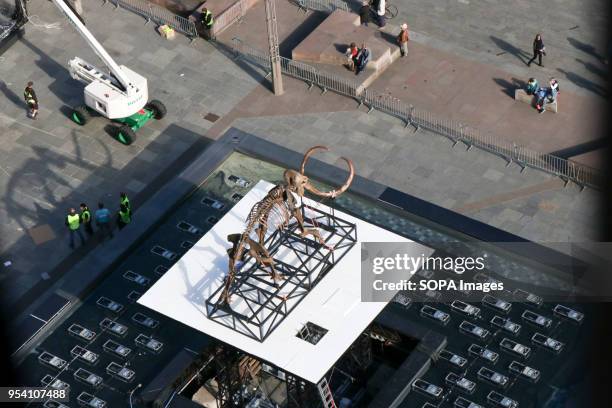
[{"x": 126, "y": 132}]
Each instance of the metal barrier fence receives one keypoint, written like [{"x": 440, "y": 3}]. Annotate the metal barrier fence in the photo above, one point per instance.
[
  {"x": 159, "y": 15},
  {"x": 456, "y": 131},
  {"x": 253, "y": 55},
  {"x": 321, "y": 5},
  {"x": 235, "y": 12}
]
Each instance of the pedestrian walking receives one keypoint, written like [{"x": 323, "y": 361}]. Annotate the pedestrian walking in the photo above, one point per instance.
[
  {"x": 103, "y": 221},
  {"x": 123, "y": 199},
  {"x": 124, "y": 216},
  {"x": 538, "y": 50},
  {"x": 380, "y": 11},
  {"x": 402, "y": 40},
  {"x": 31, "y": 100},
  {"x": 86, "y": 219},
  {"x": 73, "y": 222},
  {"x": 364, "y": 13}
]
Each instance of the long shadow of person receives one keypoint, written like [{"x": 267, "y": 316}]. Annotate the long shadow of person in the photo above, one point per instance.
[
  {"x": 593, "y": 68},
  {"x": 587, "y": 48},
  {"x": 64, "y": 87},
  {"x": 12, "y": 96},
  {"x": 511, "y": 49},
  {"x": 584, "y": 83},
  {"x": 509, "y": 87}
]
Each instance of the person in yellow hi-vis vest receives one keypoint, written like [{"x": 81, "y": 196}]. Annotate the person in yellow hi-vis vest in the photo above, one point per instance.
[
  {"x": 124, "y": 216},
  {"x": 207, "y": 22},
  {"x": 73, "y": 222},
  {"x": 123, "y": 199},
  {"x": 31, "y": 100}
]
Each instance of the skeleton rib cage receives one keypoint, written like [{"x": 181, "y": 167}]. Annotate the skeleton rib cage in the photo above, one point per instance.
[{"x": 275, "y": 212}]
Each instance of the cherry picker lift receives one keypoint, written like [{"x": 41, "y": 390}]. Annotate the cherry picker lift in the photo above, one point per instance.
[{"x": 121, "y": 95}]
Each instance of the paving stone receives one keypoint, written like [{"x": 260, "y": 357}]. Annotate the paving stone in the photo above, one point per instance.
[
  {"x": 135, "y": 186},
  {"x": 422, "y": 172},
  {"x": 493, "y": 175}
]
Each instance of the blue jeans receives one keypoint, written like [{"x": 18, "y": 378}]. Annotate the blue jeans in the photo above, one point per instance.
[
  {"x": 72, "y": 234},
  {"x": 360, "y": 67},
  {"x": 105, "y": 230}
]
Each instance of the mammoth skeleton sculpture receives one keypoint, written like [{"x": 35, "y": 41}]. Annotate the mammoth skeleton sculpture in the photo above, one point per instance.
[{"x": 275, "y": 212}]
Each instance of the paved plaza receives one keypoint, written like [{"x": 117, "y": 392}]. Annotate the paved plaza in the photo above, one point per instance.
[
  {"x": 439, "y": 77},
  {"x": 51, "y": 164}
]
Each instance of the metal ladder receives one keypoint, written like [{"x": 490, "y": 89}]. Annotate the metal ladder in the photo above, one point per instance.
[{"x": 326, "y": 395}]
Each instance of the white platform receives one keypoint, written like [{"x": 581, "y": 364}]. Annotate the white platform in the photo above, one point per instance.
[{"x": 334, "y": 304}]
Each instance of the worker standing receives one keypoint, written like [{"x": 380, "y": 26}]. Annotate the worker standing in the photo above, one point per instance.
[
  {"x": 123, "y": 199},
  {"x": 124, "y": 216},
  {"x": 31, "y": 100},
  {"x": 86, "y": 219},
  {"x": 73, "y": 222},
  {"x": 207, "y": 22}
]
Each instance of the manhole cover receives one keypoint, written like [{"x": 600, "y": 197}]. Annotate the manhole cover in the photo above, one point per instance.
[{"x": 211, "y": 117}]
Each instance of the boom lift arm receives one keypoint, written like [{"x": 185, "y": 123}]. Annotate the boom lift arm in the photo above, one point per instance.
[
  {"x": 121, "y": 95},
  {"x": 116, "y": 71}
]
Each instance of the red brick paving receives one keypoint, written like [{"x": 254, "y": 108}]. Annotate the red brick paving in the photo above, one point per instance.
[{"x": 479, "y": 95}]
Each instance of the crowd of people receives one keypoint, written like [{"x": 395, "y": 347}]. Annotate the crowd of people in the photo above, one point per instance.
[
  {"x": 102, "y": 218},
  {"x": 543, "y": 95}
]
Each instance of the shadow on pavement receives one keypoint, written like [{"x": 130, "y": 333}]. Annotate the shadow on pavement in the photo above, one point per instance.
[
  {"x": 42, "y": 174},
  {"x": 11, "y": 95},
  {"x": 584, "y": 83},
  {"x": 602, "y": 72},
  {"x": 582, "y": 148},
  {"x": 509, "y": 87},
  {"x": 511, "y": 49},
  {"x": 227, "y": 50},
  {"x": 586, "y": 48},
  {"x": 64, "y": 87},
  {"x": 301, "y": 32}
]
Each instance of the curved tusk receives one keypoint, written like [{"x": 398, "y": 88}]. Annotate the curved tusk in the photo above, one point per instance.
[
  {"x": 337, "y": 192},
  {"x": 308, "y": 153}
]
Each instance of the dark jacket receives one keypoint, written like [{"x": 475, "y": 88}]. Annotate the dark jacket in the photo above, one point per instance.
[
  {"x": 364, "y": 14},
  {"x": 538, "y": 45},
  {"x": 363, "y": 57}
]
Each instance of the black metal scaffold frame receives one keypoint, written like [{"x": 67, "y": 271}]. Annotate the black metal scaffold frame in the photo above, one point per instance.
[{"x": 253, "y": 284}]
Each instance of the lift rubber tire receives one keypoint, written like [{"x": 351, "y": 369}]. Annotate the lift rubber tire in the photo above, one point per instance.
[
  {"x": 80, "y": 115},
  {"x": 125, "y": 135},
  {"x": 158, "y": 108}
]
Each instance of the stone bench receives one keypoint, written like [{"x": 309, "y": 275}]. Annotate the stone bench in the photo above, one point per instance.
[{"x": 521, "y": 95}]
